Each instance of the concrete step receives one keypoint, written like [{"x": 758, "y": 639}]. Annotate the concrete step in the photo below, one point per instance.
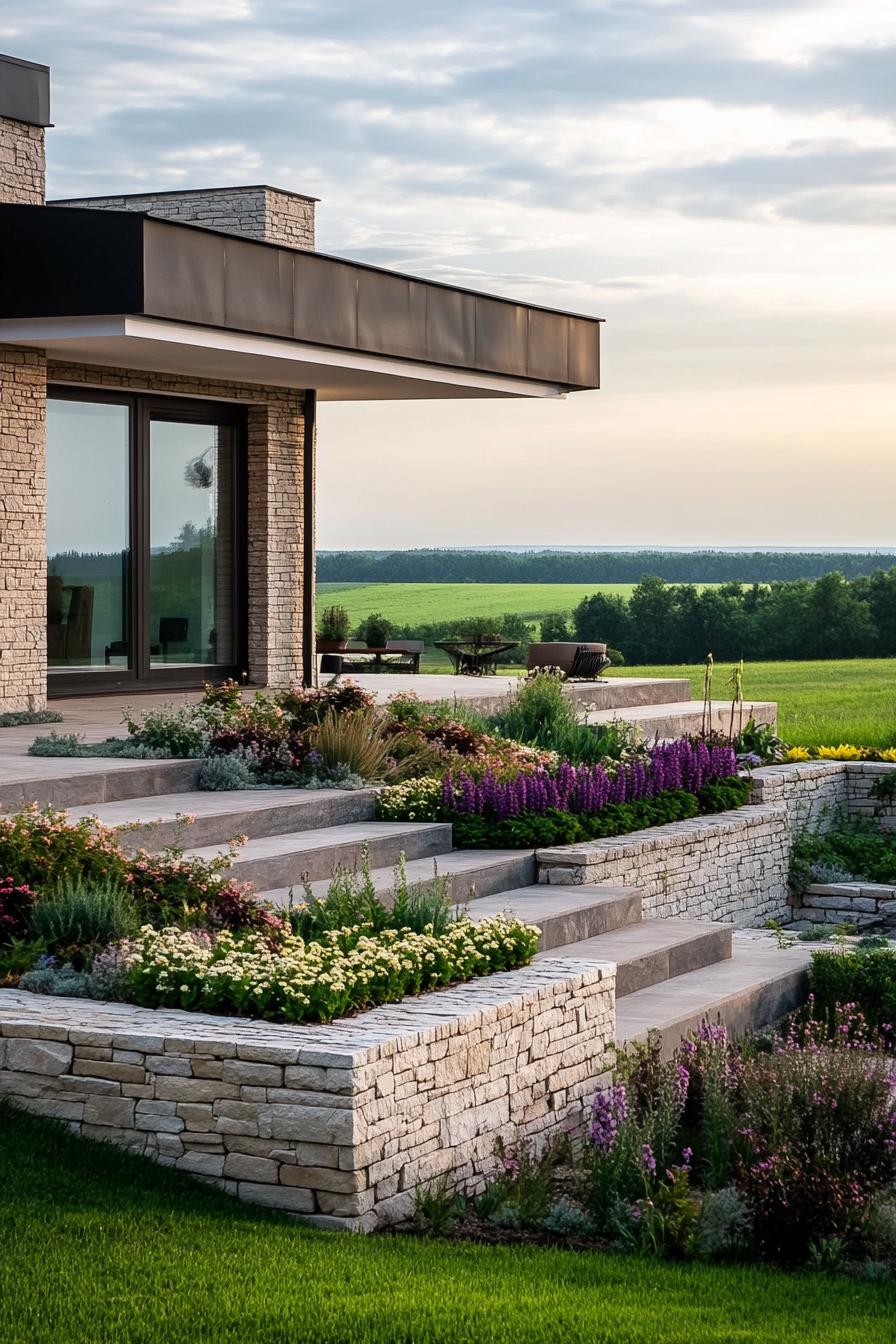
[
  {"x": 628, "y": 692},
  {"x": 758, "y": 984},
  {"x": 678, "y": 718},
  {"x": 53, "y": 781},
  {"x": 654, "y": 950},
  {"x": 272, "y": 861},
  {"x": 565, "y": 915},
  {"x": 221, "y": 816},
  {"x": 472, "y": 874}
]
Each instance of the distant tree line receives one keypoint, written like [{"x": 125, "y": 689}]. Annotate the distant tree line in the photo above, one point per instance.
[
  {"x": 830, "y": 617},
  {"x": 432, "y": 566}
]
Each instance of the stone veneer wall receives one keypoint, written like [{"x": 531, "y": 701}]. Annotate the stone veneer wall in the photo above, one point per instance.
[
  {"x": 276, "y": 446},
  {"x": 23, "y": 551},
  {"x": 22, "y": 163},
  {"x": 23, "y": 561},
  {"x": 731, "y": 867},
  {"x": 262, "y": 213},
  {"x": 340, "y": 1123}
]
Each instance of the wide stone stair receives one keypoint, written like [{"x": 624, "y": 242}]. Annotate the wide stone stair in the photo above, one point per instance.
[{"x": 671, "y": 973}]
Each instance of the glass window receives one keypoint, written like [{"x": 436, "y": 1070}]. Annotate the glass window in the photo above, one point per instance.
[
  {"x": 191, "y": 561},
  {"x": 88, "y": 534}
]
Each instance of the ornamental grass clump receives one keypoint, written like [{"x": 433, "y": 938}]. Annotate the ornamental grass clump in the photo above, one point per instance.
[{"x": 80, "y": 914}]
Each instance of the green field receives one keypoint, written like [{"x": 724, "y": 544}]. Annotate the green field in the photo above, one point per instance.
[
  {"x": 819, "y": 703},
  {"x": 426, "y": 603},
  {"x": 101, "y": 1247}
]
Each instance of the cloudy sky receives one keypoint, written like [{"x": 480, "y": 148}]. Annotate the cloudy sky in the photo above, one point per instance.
[{"x": 716, "y": 178}]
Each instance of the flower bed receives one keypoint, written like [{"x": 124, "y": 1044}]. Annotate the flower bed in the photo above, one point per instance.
[
  {"x": 345, "y": 971},
  {"x": 781, "y": 1148},
  {"x": 73, "y": 902},
  {"x": 545, "y": 807}
]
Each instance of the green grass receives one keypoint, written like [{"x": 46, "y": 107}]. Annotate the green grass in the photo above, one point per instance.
[
  {"x": 819, "y": 703},
  {"x": 426, "y": 603},
  {"x": 99, "y": 1247}
]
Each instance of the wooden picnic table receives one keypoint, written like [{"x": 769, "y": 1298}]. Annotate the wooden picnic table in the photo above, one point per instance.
[{"x": 477, "y": 656}]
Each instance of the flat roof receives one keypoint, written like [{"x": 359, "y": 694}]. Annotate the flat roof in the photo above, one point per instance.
[
  {"x": 79, "y": 263},
  {"x": 183, "y": 191}
]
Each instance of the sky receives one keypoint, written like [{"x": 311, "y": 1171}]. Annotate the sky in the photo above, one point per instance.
[{"x": 715, "y": 178}]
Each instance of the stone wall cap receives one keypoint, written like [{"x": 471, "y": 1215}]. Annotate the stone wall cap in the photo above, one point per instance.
[
  {"x": 348, "y": 1042},
  {"x": 182, "y": 191}
]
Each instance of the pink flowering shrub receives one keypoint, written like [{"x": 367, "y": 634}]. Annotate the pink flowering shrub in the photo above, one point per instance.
[{"x": 41, "y": 847}]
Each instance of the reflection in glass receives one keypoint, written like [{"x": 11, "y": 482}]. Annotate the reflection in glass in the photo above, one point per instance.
[
  {"x": 88, "y": 549},
  {"x": 191, "y": 543}
]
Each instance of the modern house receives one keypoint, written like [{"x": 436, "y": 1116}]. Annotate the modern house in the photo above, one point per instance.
[{"x": 161, "y": 361}]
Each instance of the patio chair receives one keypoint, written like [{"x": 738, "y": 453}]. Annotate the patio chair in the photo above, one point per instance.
[
  {"x": 411, "y": 649},
  {"x": 587, "y": 665}
]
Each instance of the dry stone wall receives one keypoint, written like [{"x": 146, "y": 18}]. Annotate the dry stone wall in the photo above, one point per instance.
[
  {"x": 862, "y": 904},
  {"x": 339, "y": 1123},
  {"x": 731, "y": 867},
  {"x": 734, "y": 866}
]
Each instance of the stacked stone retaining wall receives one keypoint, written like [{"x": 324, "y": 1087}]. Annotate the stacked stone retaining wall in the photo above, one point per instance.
[
  {"x": 731, "y": 867},
  {"x": 340, "y": 1123},
  {"x": 734, "y": 866}
]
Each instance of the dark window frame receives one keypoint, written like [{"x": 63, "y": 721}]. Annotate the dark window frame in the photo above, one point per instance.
[{"x": 143, "y": 408}]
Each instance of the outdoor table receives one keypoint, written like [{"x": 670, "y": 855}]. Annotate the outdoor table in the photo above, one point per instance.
[
  {"x": 377, "y": 660},
  {"x": 475, "y": 657}
]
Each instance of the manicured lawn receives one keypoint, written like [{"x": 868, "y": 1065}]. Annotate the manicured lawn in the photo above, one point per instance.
[
  {"x": 820, "y": 703},
  {"x": 99, "y": 1246}
]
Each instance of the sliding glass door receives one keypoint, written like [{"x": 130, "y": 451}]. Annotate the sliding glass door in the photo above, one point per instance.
[{"x": 145, "y": 541}]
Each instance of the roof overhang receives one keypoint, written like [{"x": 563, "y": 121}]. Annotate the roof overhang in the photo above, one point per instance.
[
  {"x": 154, "y": 345},
  {"x": 126, "y": 290}
]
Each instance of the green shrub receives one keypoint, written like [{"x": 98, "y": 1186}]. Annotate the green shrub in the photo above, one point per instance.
[
  {"x": 859, "y": 848},
  {"x": 236, "y": 770},
  {"x": 375, "y": 630},
  {"x": 18, "y": 718},
  {"x": 865, "y": 977},
  {"x": 421, "y": 906},
  {"x": 723, "y": 795},
  {"x": 352, "y": 900},
  {"x": 71, "y": 744},
  {"x": 540, "y": 713},
  {"x": 61, "y": 980},
  {"x": 80, "y": 914},
  {"x": 333, "y": 623}
]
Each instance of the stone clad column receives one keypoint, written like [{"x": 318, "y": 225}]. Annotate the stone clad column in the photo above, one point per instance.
[
  {"x": 23, "y": 548},
  {"x": 276, "y": 447},
  {"x": 24, "y": 112}
]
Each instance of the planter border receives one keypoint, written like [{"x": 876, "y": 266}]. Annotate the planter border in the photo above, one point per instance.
[{"x": 340, "y": 1123}]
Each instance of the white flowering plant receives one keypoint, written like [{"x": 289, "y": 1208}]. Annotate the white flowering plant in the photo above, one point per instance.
[{"x": 344, "y": 971}]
